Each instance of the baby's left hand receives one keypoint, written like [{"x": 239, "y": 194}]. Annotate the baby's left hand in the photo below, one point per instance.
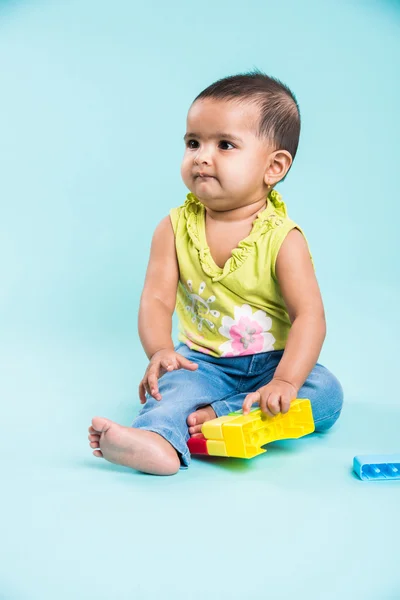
[{"x": 273, "y": 398}]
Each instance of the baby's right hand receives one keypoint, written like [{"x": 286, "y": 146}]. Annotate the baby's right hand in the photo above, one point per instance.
[{"x": 162, "y": 362}]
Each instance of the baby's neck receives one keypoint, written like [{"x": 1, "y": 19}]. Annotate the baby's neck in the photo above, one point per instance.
[{"x": 237, "y": 215}]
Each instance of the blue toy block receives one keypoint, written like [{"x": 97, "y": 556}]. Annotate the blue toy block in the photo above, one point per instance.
[{"x": 377, "y": 466}]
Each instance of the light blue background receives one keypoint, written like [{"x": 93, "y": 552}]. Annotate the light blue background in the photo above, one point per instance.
[{"x": 93, "y": 104}]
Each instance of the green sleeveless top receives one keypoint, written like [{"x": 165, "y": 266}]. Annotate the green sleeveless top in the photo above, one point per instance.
[{"x": 237, "y": 310}]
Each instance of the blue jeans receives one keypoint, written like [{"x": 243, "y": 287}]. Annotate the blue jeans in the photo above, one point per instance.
[{"x": 224, "y": 383}]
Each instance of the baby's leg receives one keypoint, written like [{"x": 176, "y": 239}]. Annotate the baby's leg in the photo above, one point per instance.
[
  {"x": 326, "y": 396},
  {"x": 219, "y": 408},
  {"x": 321, "y": 387},
  {"x": 157, "y": 441},
  {"x": 141, "y": 450}
]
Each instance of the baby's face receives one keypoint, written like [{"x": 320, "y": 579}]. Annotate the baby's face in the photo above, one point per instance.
[{"x": 221, "y": 142}]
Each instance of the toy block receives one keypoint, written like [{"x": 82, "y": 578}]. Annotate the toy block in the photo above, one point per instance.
[
  {"x": 213, "y": 429},
  {"x": 242, "y": 436},
  {"x": 217, "y": 448},
  {"x": 377, "y": 466},
  {"x": 197, "y": 445}
]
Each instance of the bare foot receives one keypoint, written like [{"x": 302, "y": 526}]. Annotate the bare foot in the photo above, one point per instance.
[
  {"x": 135, "y": 448},
  {"x": 197, "y": 418}
]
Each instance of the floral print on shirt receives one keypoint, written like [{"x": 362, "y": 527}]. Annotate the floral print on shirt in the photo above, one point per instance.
[
  {"x": 198, "y": 307},
  {"x": 247, "y": 333}
]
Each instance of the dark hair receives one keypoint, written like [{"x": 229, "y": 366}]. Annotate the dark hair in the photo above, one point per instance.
[{"x": 279, "y": 111}]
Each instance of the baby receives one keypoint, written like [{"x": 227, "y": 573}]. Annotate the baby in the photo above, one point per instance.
[{"x": 240, "y": 275}]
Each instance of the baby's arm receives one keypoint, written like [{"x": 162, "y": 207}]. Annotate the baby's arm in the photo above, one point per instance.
[
  {"x": 300, "y": 290},
  {"x": 157, "y": 303}
]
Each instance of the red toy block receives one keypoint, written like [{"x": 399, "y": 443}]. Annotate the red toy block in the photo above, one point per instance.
[{"x": 197, "y": 445}]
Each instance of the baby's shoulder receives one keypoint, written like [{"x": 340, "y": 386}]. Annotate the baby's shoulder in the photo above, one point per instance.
[{"x": 186, "y": 212}]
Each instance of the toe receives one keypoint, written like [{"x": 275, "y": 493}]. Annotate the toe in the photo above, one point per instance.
[
  {"x": 195, "y": 429},
  {"x": 191, "y": 420},
  {"x": 200, "y": 416},
  {"x": 93, "y": 438},
  {"x": 94, "y": 444},
  {"x": 101, "y": 425},
  {"x": 98, "y": 453}
]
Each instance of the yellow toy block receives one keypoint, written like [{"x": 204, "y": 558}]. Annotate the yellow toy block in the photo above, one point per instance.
[
  {"x": 216, "y": 448},
  {"x": 242, "y": 436}
]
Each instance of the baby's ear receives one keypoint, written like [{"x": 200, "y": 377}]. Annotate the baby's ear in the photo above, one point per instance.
[{"x": 280, "y": 162}]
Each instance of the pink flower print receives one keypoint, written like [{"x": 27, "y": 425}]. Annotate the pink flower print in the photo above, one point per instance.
[{"x": 247, "y": 333}]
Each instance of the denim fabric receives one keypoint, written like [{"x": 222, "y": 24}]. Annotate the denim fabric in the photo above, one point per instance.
[{"x": 224, "y": 383}]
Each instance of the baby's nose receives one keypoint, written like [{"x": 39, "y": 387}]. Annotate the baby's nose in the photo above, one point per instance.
[{"x": 203, "y": 156}]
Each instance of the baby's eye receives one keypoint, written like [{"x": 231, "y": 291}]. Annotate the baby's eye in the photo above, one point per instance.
[
  {"x": 193, "y": 144},
  {"x": 224, "y": 142}
]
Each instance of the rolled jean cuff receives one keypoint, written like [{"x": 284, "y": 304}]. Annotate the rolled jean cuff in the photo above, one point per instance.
[
  {"x": 176, "y": 441},
  {"x": 221, "y": 408}
]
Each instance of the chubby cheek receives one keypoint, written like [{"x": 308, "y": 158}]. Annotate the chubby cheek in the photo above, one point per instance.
[
  {"x": 186, "y": 172},
  {"x": 238, "y": 176},
  {"x": 246, "y": 175}
]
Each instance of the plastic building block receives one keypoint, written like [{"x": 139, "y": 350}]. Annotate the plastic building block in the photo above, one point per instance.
[
  {"x": 198, "y": 445},
  {"x": 377, "y": 466},
  {"x": 242, "y": 436}
]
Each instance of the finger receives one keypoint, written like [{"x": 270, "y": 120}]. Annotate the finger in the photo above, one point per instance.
[
  {"x": 264, "y": 403},
  {"x": 168, "y": 364},
  {"x": 285, "y": 404},
  {"x": 142, "y": 393},
  {"x": 143, "y": 390},
  {"x": 152, "y": 380},
  {"x": 146, "y": 389},
  {"x": 274, "y": 403},
  {"x": 187, "y": 364},
  {"x": 250, "y": 400}
]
